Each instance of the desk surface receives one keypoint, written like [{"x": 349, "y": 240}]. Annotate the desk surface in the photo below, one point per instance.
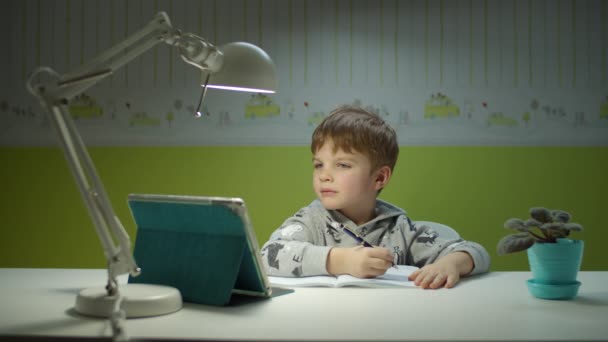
[{"x": 491, "y": 307}]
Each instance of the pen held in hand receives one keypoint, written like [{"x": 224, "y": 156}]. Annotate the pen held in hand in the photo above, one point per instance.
[
  {"x": 355, "y": 236},
  {"x": 362, "y": 241}
]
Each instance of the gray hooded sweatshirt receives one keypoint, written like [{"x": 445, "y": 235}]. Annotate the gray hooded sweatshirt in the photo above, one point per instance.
[{"x": 299, "y": 247}]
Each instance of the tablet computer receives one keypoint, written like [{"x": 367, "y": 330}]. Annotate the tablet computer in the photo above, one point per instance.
[{"x": 204, "y": 246}]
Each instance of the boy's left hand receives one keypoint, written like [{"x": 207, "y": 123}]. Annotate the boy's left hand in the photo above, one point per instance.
[{"x": 444, "y": 272}]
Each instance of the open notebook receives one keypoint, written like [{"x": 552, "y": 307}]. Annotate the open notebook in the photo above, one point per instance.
[
  {"x": 394, "y": 277},
  {"x": 203, "y": 246}
]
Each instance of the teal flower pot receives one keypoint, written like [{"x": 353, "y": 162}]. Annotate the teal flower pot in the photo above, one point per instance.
[{"x": 554, "y": 268}]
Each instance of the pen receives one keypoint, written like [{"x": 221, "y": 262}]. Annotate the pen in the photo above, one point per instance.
[
  {"x": 360, "y": 240},
  {"x": 355, "y": 236}
]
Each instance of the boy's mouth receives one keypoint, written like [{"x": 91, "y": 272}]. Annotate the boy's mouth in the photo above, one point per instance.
[{"x": 328, "y": 192}]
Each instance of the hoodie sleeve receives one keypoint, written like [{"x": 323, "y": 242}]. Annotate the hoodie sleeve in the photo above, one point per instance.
[
  {"x": 296, "y": 248},
  {"x": 425, "y": 246}
]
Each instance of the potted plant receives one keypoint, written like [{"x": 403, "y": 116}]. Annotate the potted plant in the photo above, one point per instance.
[{"x": 554, "y": 258}]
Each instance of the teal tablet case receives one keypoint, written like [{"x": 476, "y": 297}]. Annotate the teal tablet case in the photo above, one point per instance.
[{"x": 197, "y": 245}]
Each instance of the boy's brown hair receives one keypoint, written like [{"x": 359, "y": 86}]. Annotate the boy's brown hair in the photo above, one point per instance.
[{"x": 354, "y": 128}]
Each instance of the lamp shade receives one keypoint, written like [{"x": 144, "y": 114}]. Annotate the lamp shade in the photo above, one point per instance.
[{"x": 245, "y": 67}]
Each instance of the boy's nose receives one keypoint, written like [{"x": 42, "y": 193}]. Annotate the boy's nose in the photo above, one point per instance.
[{"x": 324, "y": 176}]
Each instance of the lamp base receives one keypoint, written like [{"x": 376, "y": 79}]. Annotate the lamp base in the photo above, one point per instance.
[{"x": 140, "y": 300}]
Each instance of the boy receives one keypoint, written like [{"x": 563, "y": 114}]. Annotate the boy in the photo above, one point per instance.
[{"x": 354, "y": 153}]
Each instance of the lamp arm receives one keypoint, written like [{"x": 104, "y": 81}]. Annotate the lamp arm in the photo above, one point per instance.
[
  {"x": 107, "y": 225},
  {"x": 54, "y": 93},
  {"x": 193, "y": 50}
]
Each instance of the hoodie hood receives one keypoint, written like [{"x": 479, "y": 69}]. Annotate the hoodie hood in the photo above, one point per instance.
[{"x": 384, "y": 211}]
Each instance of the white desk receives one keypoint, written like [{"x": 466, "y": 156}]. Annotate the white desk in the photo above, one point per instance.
[{"x": 492, "y": 307}]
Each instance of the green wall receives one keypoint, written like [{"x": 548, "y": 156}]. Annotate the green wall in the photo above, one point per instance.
[{"x": 473, "y": 189}]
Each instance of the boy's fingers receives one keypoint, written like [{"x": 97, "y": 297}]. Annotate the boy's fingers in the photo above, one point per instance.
[
  {"x": 381, "y": 253},
  {"x": 429, "y": 280},
  {"x": 440, "y": 279},
  {"x": 424, "y": 282},
  {"x": 380, "y": 265},
  {"x": 452, "y": 279}
]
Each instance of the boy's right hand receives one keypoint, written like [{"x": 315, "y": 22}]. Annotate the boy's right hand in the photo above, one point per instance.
[{"x": 359, "y": 261}]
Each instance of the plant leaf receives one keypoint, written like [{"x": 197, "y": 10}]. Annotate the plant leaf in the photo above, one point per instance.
[
  {"x": 552, "y": 226},
  {"x": 575, "y": 227},
  {"x": 514, "y": 243},
  {"x": 516, "y": 224},
  {"x": 560, "y": 216},
  {"x": 541, "y": 214},
  {"x": 532, "y": 223},
  {"x": 554, "y": 231}
]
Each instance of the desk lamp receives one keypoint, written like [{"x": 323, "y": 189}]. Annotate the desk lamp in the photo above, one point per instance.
[{"x": 234, "y": 66}]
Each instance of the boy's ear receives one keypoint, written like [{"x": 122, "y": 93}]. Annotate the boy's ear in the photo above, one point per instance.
[{"x": 383, "y": 175}]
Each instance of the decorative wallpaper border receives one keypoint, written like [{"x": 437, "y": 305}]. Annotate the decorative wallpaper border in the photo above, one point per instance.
[{"x": 462, "y": 72}]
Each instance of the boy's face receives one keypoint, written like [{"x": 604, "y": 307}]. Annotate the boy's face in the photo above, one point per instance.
[{"x": 344, "y": 181}]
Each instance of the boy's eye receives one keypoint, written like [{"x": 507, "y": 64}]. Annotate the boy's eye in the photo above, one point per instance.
[
  {"x": 343, "y": 165},
  {"x": 317, "y": 165}
]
